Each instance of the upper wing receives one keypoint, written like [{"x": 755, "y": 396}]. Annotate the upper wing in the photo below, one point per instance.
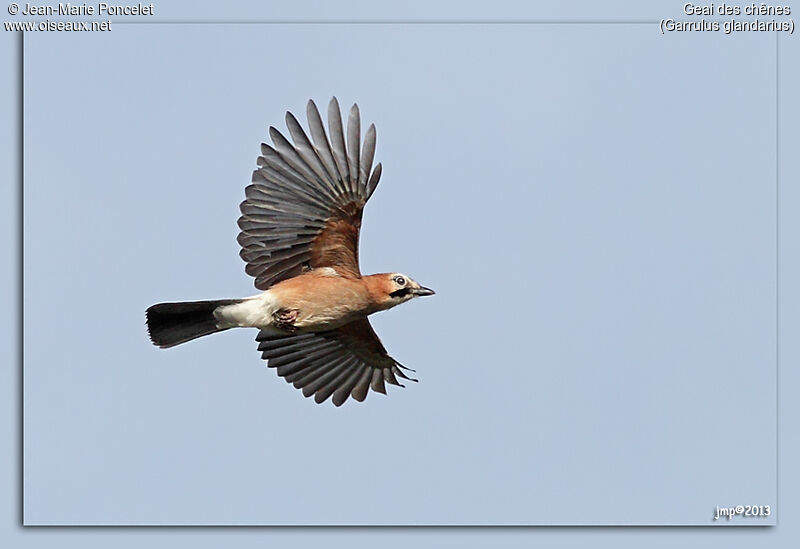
[
  {"x": 303, "y": 209},
  {"x": 342, "y": 362}
]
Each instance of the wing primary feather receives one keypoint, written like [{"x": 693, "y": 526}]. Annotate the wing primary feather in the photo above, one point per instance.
[
  {"x": 396, "y": 371},
  {"x": 373, "y": 180},
  {"x": 337, "y": 142},
  {"x": 305, "y": 375},
  {"x": 277, "y": 184},
  {"x": 320, "y": 370},
  {"x": 332, "y": 371},
  {"x": 362, "y": 386},
  {"x": 389, "y": 377},
  {"x": 264, "y": 191},
  {"x": 306, "y": 150},
  {"x": 257, "y": 230},
  {"x": 275, "y": 169},
  {"x": 293, "y": 181},
  {"x": 261, "y": 254},
  {"x": 264, "y": 213},
  {"x": 326, "y": 391},
  {"x": 272, "y": 349},
  {"x": 297, "y": 260},
  {"x": 293, "y": 370},
  {"x": 293, "y": 158},
  {"x": 264, "y": 335},
  {"x": 377, "y": 381},
  {"x": 255, "y": 250},
  {"x": 281, "y": 217},
  {"x": 268, "y": 267},
  {"x": 367, "y": 156},
  {"x": 307, "y": 370},
  {"x": 323, "y": 146},
  {"x": 353, "y": 142},
  {"x": 272, "y": 346},
  {"x": 323, "y": 350},
  {"x": 343, "y": 392},
  {"x": 403, "y": 367}
]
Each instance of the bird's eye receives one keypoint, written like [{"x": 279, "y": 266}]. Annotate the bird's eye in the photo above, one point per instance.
[{"x": 400, "y": 280}]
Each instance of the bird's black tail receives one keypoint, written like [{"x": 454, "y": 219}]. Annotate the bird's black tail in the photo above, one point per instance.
[{"x": 171, "y": 324}]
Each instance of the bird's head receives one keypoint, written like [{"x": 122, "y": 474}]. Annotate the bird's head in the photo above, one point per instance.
[{"x": 391, "y": 289}]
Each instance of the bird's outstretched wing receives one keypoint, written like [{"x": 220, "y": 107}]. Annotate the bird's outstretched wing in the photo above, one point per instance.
[
  {"x": 343, "y": 362},
  {"x": 303, "y": 208}
]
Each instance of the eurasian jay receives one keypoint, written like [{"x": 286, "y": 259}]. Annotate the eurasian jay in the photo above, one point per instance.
[{"x": 299, "y": 234}]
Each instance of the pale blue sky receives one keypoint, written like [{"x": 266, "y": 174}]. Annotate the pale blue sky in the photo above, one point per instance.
[
  {"x": 634, "y": 211},
  {"x": 601, "y": 237}
]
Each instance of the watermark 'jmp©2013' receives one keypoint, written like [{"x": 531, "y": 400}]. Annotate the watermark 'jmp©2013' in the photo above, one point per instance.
[{"x": 755, "y": 511}]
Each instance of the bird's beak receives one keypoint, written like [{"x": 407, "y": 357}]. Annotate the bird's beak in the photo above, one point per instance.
[{"x": 422, "y": 290}]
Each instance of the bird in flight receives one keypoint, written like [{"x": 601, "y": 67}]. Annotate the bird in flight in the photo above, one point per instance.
[{"x": 300, "y": 226}]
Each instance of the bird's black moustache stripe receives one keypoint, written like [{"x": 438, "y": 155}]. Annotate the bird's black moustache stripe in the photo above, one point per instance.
[{"x": 401, "y": 292}]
